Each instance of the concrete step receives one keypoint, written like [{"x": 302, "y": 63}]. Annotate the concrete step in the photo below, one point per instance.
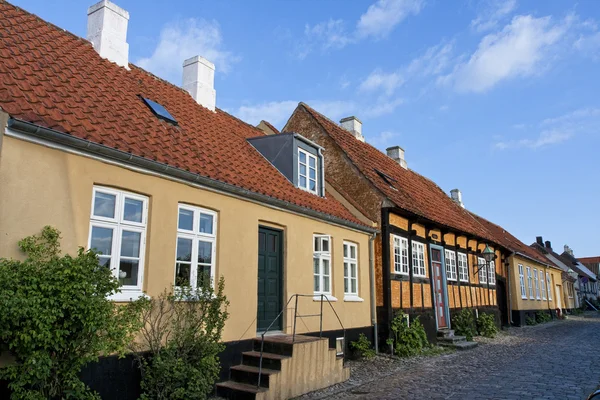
[
  {"x": 249, "y": 374},
  {"x": 459, "y": 345},
  {"x": 452, "y": 339},
  {"x": 445, "y": 333},
  {"x": 238, "y": 391},
  {"x": 270, "y": 360}
]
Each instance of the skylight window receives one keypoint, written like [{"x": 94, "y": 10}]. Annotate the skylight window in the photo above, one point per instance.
[
  {"x": 160, "y": 111},
  {"x": 388, "y": 179}
]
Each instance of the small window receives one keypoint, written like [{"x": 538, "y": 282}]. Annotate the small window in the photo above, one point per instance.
[
  {"x": 522, "y": 282},
  {"x": 307, "y": 171},
  {"x": 450, "y": 265},
  {"x": 400, "y": 255},
  {"x": 350, "y": 269},
  {"x": 388, "y": 179},
  {"x": 463, "y": 267},
  {"x": 418, "y": 250},
  {"x": 549, "y": 285},
  {"x": 492, "y": 273},
  {"x": 537, "y": 284},
  {"x": 339, "y": 346},
  {"x": 482, "y": 270},
  {"x": 530, "y": 283},
  {"x": 160, "y": 111},
  {"x": 322, "y": 264}
]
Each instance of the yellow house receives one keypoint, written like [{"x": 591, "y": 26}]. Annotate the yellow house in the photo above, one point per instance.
[
  {"x": 171, "y": 189},
  {"x": 534, "y": 283}
]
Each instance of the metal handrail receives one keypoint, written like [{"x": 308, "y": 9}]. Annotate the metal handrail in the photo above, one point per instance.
[{"x": 262, "y": 341}]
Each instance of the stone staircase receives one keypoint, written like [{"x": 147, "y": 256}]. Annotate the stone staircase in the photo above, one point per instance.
[
  {"x": 289, "y": 369},
  {"x": 446, "y": 338}
]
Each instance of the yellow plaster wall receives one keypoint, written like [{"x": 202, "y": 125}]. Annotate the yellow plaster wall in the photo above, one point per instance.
[
  {"x": 518, "y": 303},
  {"x": 42, "y": 186}
]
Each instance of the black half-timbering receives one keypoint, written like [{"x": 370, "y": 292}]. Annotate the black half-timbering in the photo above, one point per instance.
[{"x": 283, "y": 151}]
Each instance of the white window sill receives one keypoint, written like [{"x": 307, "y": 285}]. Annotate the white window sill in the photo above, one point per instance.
[
  {"x": 353, "y": 298},
  {"x": 128, "y": 295},
  {"x": 464, "y": 281},
  {"x": 317, "y": 297},
  {"x": 419, "y": 276},
  {"x": 400, "y": 273}
]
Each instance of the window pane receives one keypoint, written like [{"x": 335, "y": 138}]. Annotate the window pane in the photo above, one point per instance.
[
  {"x": 312, "y": 173},
  {"x": 104, "y": 261},
  {"x": 205, "y": 252},
  {"x": 345, "y": 250},
  {"x": 206, "y": 223},
  {"x": 203, "y": 276},
  {"x": 317, "y": 244},
  {"x": 312, "y": 162},
  {"x": 316, "y": 265},
  {"x": 353, "y": 270},
  {"x": 326, "y": 284},
  {"x": 186, "y": 220},
  {"x": 130, "y": 244},
  {"x": 302, "y": 157},
  {"x": 346, "y": 270},
  {"x": 325, "y": 267},
  {"x": 302, "y": 169},
  {"x": 133, "y": 210},
  {"x": 102, "y": 240},
  {"x": 313, "y": 185},
  {"x": 353, "y": 285},
  {"x": 352, "y": 252},
  {"x": 317, "y": 284},
  {"x": 104, "y": 205},
  {"x": 345, "y": 285},
  {"x": 325, "y": 244},
  {"x": 182, "y": 274},
  {"x": 302, "y": 181},
  {"x": 128, "y": 272},
  {"x": 184, "y": 249}
]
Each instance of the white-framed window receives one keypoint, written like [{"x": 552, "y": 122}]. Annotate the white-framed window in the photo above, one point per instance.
[
  {"x": 322, "y": 264},
  {"x": 542, "y": 285},
  {"x": 118, "y": 232},
  {"x": 418, "y": 259},
  {"x": 339, "y": 346},
  {"x": 522, "y": 282},
  {"x": 463, "y": 267},
  {"x": 549, "y": 285},
  {"x": 450, "y": 265},
  {"x": 350, "y": 269},
  {"x": 492, "y": 273},
  {"x": 530, "y": 283},
  {"x": 400, "y": 255},
  {"x": 307, "y": 171},
  {"x": 482, "y": 270},
  {"x": 196, "y": 243},
  {"x": 537, "y": 284}
]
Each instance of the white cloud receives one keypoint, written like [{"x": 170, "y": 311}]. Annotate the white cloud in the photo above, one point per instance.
[
  {"x": 184, "y": 39},
  {"x": 383, "y": 139},
  {"x": 520, "y": 49},
  {"x": 331, "y": 34},
  {"x": 276, "y": 112},
  {"x": 377, "y": 80},
  {"x": 434, "y": 61},
  {"x": 491, "y": 12},
  {"x": 556, "y": 130},
  {"x": 382, "y": 107},
  {"x": 382, "y": 17},
  {"x": 589, "y": 44}
]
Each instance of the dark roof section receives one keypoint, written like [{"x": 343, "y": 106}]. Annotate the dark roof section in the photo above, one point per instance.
[
  {"x": 554, "y": 260},
  {"x": 589, "y": 260},
  {"x": 577, "y": 266},
  {"x": 504, "y": 238},
  {"x": 54, "y": 79},
  {"x": 411, "y": 192}
]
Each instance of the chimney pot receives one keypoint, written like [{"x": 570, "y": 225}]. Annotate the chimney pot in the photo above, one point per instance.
[
  {"x": 199, "y": 81},
  {"x": 548, "y": 245},
  {"x": 396, "y": 153},
  {"x": 354, "y": 126},
  {"x": 539, "y": 240},
  {"x": 107, "y": 30},
  {"x": 456, "y": 195}
]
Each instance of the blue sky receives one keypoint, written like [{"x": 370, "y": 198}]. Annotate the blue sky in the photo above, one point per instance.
[{"x": 497, "y": 98}]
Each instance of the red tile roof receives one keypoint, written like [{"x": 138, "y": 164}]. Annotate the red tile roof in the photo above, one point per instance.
[
  {"x": 504, "y": 238},
  {"x": 412, "y": 192},
  {"x": 56, "y": 80},
  {"x": 589, "y": 260}
]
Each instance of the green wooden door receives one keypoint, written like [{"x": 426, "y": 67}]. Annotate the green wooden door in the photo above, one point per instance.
[{"x": 270, "y": 282}]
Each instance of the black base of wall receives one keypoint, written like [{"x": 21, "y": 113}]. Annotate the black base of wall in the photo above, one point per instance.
[
  {"x": 351, "y": 336},
  {"x": 519, "y": 317}
]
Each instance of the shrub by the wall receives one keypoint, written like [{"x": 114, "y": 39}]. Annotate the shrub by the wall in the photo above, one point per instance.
[
  {"x": 464, "y": 324},
  {"x": 486, "y": 325},
  {"x": 408, "y": 340},
  {"x": 363, "y": 347}
]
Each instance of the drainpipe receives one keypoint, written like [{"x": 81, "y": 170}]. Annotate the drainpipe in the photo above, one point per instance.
[
  {"x": 510, "y": 318},
  {"x": 372, "y": 276},
  {"x": 322, "y": 177}
]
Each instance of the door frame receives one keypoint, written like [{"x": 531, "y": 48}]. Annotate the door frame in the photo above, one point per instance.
[
  {"x": 444, "y": 285},
  {"x": 282, "y": 319}
]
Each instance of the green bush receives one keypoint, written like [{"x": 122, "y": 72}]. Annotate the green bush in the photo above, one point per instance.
[
  {"x": 408, "y": 340},
  {"x": 363, "y": 347},
  {"x": 464, "y": 324},
  {"x": 56, "y": 317},
  {"x": 486, "y": 325},
  {"x": 530, "y": 321},
  {"x": 542, "y": 317},
  {"x": 182, "y": 331}
]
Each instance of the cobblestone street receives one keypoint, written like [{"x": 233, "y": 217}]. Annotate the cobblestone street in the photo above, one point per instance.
[{"x": 558, "y": 360}]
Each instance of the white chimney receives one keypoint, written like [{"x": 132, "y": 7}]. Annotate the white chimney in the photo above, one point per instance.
[
  {"x": 568, "y": 250},
  {"x": 396, "y": 153},
  {"x": 456, "y": 195},
  {"x": 199, "y": 81},
  {"x": 354, "y": 126},
  {"x": 107, "y": 30}
]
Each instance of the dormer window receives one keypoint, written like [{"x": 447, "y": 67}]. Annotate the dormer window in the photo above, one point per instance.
[{"x": 307, "y": 171}]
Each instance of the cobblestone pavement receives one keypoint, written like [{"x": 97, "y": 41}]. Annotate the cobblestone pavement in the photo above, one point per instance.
[{"x": 557, "y": 360}]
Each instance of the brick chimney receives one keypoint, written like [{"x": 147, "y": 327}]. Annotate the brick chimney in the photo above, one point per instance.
[
  {"x": 539, "y": 240},
  {"x": 456, "y": 195},
  {"x": 548, "y": 245},
  {"x": 107, "y": 30},
  {"x": 199, "y": 81},
  {"x": 396, "y": 153},
  {"x": 354, "y": 126}
]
